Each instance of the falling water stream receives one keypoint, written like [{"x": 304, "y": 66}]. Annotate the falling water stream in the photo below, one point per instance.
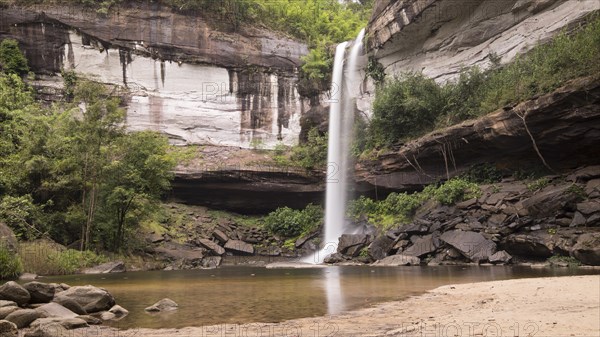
[{"x": 341, "y": 116}]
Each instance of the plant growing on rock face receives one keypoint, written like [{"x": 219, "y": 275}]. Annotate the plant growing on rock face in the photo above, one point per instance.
[
  {"x": 288, "y": 222},
  {"x": 538, "y": 184},
  {"x": 456, "y": 190}
]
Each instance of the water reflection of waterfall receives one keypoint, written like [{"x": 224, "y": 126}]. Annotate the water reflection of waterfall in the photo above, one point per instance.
[{"x": 333, "y": 290}]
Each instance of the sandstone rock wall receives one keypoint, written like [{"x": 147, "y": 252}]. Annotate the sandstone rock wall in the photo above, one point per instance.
[
  {"x": 439, "y": 37},
  {"x": 191, "y": 77}
]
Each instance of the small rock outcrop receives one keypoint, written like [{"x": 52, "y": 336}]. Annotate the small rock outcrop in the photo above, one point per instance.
[
  {"x": 41, "y": 292},
  {"x": 163, "y": 305},
  {"x": 352, "y": 244},
  {"x": 23, "y": 317},
  {"x": 473, "y": 245},
  {"x": 587, "y": 249}
]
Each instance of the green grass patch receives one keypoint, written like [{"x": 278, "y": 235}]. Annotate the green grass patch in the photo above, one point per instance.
[
  {"x": 44, "y": 257},
  {"x": 10, "y": 264}
]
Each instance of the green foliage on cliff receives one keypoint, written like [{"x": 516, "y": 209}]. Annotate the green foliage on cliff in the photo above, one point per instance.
[
  {"x": 12, "y": 61},
  {"x": 399, "y": 208},
  {"x": 72, "y": 172},
  {"x": 411, "y": 105},
  {"x": 312, "y": 154},
  {"x": 288, "y": 222}
]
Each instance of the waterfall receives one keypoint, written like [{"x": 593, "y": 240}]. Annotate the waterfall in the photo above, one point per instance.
[{"x": 341, "y": 116}]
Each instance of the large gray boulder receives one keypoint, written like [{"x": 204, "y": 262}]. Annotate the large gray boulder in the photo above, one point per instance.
[
  {"x": 41, "y": 292},
  {"x": 23, "y": 317},
  {"x": 12, "y": 291},
  {"x": 548, "y": 202},
  {"x": 500, "y": 257},
  {"x": 587, "y": 249},
  {"x": 55, "y": 310},
  {"x": 67, "y": 323},
  {"x": 51, "y": 329},
  {"x": 4, "y": 303},
  {"x": 107, "y": 268},
  {"x": 398, "y": 260},
  {"x": 352, "y": 244},
  {"x": 239, "y": 247},
  {"x": 8, "y": 329},
  {"x": 380, "y": 247},
  {"x": 471, "y": 244},
  {"x": 71, "y": 305},
  {"x": 211, "y": 246},
  {"x": 423, "y": 246},
  {"x": 5, "y": 311},
  {"x": 165, "y": 304},
  {"x": 91, "y": 298}
]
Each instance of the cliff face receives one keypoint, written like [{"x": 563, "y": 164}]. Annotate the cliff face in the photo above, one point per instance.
[
  {"x": 439, "y": 37},
  {"x": 195, "y": 78},
  {"x": 564, "y": 124}
]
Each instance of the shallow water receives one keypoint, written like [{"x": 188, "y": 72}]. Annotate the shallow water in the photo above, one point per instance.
[{"x": 250, "y": 294}]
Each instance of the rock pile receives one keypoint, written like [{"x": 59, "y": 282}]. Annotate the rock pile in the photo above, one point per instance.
[
  {"x": 45, "y": 307},
  {"x": 510, "y": 222}
]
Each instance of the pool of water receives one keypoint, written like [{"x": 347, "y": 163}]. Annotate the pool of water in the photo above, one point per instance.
[{"x": 252, "y": 294}]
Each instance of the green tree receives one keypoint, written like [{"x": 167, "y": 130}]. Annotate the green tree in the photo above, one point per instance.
[{"x": 12, "y": 61}]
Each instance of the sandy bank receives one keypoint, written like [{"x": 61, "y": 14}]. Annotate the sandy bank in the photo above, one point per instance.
[{"x": 558, "y": 306}]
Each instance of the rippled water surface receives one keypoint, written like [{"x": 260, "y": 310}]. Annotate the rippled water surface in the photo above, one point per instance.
[{"x": 249, "y": 294}]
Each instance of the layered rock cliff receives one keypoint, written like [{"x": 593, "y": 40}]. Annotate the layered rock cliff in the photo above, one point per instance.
[
  {"x": 440, "y": 37},
  {"x": 192, "y": 77}
]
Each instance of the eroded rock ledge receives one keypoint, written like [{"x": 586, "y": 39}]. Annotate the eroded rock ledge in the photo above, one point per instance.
[{"x": 565, "y": 125}]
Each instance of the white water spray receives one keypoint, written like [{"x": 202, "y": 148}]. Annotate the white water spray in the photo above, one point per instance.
[{"x": 341, "y": 116}]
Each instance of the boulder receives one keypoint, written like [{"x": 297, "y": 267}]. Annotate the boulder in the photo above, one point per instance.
[
  {"x": 107, "y": 316},
  {"x": 53, "y": 329},
  {"x": 8, "y": 329},
  {"x": 70, "y": 304},
  {"x": 4, "y": 303},
  {"x": 587, "y": 249},
  {"x": 91, "y": 298},
  {"x": 500, "y": 257},
  {"x": 380, "y": 247},
  {"x": 211, "y": 262},
  {"x": 578, "y": 220},
  {"x": 584, "y": 174},
  {"x": 211, "y": 246},
  {"x": 398, "y": 260},
  {"x": 334, "y": 258},
  {"x": 592, "y": 188},
  {"x": 351, "y": 244},
  {"x": 423, "y": 246},
  {"x": 5, "y": 311},
  {"x": 548, "y": 202},
  {"x": 40, "y": 292},
  {"x": 220, "y": 236},
  {"x": 107, "y": 268},
  {"x": 8, "y": 238},
  {"x": 472, "y": 245},
  {"x": 239, "y": 247},
  {"x": 415, "y": 228},
  {"x": 12, "y": 291},
  {"x": 67, "y": 323},
  {"x": 119, "y": 311},
  {"x": 527, "y": 245},
  {"x": 165, "y": 304},
  {"x": 91, "y": 320},
  {"x": 28, "y": 277},
  {"x": 23, "y": 317},
  {"x": 55, "y": 310},
  {"x": 302, "y": 240},
  {"x": 589, "y": 207}
]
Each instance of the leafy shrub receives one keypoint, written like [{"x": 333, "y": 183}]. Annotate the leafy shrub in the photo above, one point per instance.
[
  {"x": 10, "y": 263},
  {"x": 12, "y": 61},
  {"x": 405, "y": 107},
  {"x": 456, "y": 190},
  {"x": 70, "y": 260},
  {"x": 313, "y": 154},
  {"x": 288, "y": 222},
  {"x": 45, "y": 257}
]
